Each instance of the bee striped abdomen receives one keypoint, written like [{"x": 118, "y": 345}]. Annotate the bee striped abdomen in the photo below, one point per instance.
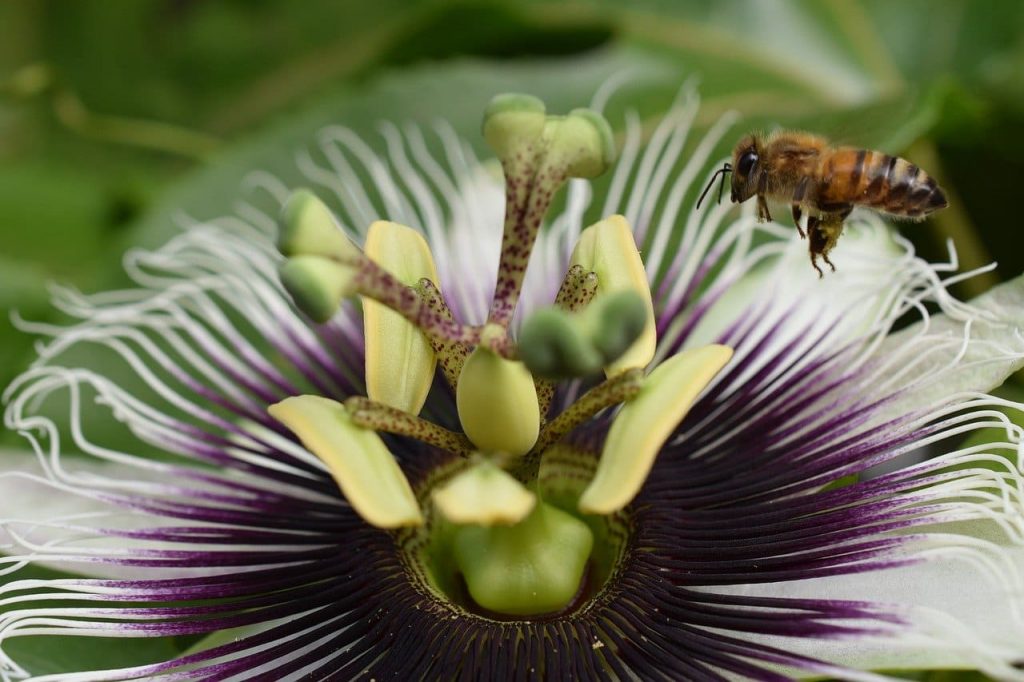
[{"x": 879, "y": 181}]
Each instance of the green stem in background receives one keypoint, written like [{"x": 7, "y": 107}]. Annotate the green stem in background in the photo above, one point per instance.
[
  {"x": 39, "y": 80},
  {"x": 133, "y": 132}
]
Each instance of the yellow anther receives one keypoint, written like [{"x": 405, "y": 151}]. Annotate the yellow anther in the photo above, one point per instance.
[
  {"x": 400, "y": 360},
  {"x": 645, "y": 423},
  {"x": 357, "y": 458},
  {"x": 497, "y": 402},
  {"x": 484, "y": 495},
  {"x": 607, "y": 248}
]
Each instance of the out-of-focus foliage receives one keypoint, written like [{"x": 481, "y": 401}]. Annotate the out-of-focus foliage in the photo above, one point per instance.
[
  {"x": 117, "y": 116},
  {"x": 74, "y": 185}
]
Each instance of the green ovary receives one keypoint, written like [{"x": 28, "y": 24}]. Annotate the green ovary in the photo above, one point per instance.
[{"x": 535, "y": 566}]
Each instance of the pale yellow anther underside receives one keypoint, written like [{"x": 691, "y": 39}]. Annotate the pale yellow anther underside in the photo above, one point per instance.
[
  {"x": 645, "y": 423},
  {"x": 399, "y": 359},
  {"x": 357, "y": 458},
  {"x": 484, "y": 495}
]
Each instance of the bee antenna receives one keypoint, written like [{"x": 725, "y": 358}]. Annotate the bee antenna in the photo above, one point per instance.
[{"x": 720, "y": 172}]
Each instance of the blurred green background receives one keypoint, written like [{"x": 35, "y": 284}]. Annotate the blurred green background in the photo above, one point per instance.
[
  {"x": 109, "y": 109},
  {"x": 118, "y": 115}
]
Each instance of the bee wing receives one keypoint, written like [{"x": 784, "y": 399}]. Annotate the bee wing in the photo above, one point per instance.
[{"x": 888, "y": 124}]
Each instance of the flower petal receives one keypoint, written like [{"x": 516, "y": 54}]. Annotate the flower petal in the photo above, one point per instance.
[
  {"x": 956, "y": 616},
  {"x": 366, "y": 471},
  {"x": 848, "y": 298},
  {"x": 52, "y": 522},
  {"x": 969, "y": 348}
]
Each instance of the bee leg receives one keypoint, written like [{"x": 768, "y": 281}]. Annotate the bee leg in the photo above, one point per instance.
[
  {"x": 816, "y": 245},
  {"x": 814, "y": 264},
  {"x": 835, "y": 228},
  {"x": 825, "y": 258},
  {"x": 824, "y": 232},
  {"x": 797, "y": 215},
  {"x": 762, "y": 210},
  {"x": 798, "y": 198}
]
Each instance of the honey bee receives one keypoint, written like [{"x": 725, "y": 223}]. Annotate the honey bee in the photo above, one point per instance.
[{"x": 826, "y": 181}]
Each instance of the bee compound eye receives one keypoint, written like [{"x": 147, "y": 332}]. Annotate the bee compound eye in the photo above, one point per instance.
[{"x": 746, "y": 163}]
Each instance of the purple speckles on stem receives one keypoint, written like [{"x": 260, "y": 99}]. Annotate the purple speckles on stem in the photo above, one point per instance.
[
  {"x": 524, "y": 213},
  {"x": 380, "y": 285}
]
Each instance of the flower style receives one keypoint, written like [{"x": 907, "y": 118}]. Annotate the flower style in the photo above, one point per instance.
[{"x": 701, "y": 464}]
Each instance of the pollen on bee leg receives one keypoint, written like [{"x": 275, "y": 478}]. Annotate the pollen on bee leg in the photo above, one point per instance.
[{"x": 823, "y": 233}]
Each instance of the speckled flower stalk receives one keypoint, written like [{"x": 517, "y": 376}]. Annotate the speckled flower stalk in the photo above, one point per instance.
[{"x": 733, "y": 469}]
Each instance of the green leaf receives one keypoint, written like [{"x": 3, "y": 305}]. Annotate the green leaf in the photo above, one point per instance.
[{"x": 60, "y": 654}]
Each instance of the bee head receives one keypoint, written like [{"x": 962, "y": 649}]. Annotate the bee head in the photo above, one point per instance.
[{"x": 746, "y": 168}]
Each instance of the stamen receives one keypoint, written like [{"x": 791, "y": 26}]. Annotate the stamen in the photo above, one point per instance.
[
  {"x": 377, "y": 283},
  {"x": 577, "y": 290},
  {"x": 607, "y": 249},
  {"x": 400, "y": 359},
  {"x": 357, "y": 458},
  {"x": 610, "y": 392},
  {"x": 376, "y": 416},
  {"x": 484, "y": 495},
  {"x": 497, "y": 403},
  {"x": 645, "y": 422},
  {"x": 618, "y": 389},
  {"x": 450, "y": 354}
]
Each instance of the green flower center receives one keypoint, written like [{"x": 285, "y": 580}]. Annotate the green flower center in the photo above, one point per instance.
[
  {"x": 518, "y": 524},
  {"x": 524, "y": 572}
]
